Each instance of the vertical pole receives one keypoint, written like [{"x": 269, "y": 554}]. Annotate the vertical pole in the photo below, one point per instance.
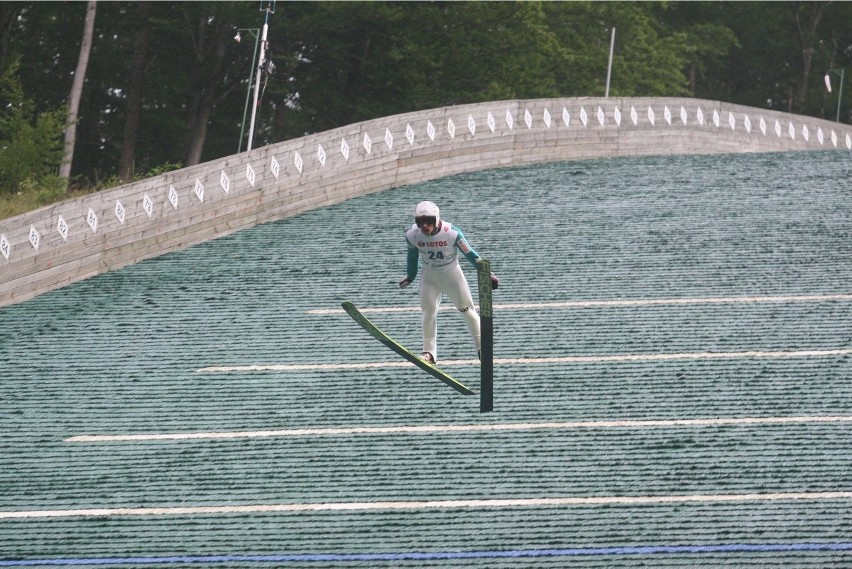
[
  {"x": 258, "y": 73},
  {"x": 486, "y": 379},
  {"x": 256, "y": 34},
  {"x": 609, "y": 67},
  {"x": 842, "y": 72}
]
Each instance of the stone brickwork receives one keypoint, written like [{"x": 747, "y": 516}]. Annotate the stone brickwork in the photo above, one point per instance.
[{"x": 70, "y": 241}]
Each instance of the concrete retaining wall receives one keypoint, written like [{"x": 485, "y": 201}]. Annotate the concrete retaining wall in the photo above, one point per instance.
[{"x": 70, "y": 241}]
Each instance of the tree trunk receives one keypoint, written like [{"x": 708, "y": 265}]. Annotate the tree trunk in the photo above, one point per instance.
[
  {"x": 126, "y": 163},
  {"x": 77, "y": 90},
  {"x": 206, "y": 88},
  {"x": 807, "y": 31},
  {"x": 8, "y": 12},
  {"x": 197, "y": 132}
]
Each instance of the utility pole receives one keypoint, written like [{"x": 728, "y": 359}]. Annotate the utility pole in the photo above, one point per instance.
[
  {"x": 270, "y": 8},
  {"x": 609, "y": 67},
  {"x": 255, "y": 32},
  {"x": 841, "y": 72}
]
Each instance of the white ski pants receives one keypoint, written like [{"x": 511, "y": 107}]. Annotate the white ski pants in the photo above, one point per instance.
[{"x": 452, "y": 283}]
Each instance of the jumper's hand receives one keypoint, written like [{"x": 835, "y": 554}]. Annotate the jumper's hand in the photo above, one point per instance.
[
  {"x": 404, "y": 282},
  {"x": 495, "y": 282}
]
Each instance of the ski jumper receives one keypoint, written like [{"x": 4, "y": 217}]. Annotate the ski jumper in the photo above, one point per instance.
[{"x": 441, "y": 274}]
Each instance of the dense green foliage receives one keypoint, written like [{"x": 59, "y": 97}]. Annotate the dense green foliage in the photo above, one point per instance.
[
  {"x": 336, "y": 63},
  {"x": 30, "y": 144}
]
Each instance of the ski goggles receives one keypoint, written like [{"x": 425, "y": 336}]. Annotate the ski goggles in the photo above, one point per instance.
[{"x": 424, "y": 220}]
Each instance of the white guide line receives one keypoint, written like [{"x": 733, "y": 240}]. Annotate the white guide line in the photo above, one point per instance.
[
  {"x": 612, "y": 303},
  {"x": 429, "y": 504},
  {"x": 544, "y": 360},
  {"x": 427, "y": 429}
]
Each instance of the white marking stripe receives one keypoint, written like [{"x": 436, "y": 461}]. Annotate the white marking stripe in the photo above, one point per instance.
[
  {"x": 419, "y": 505},
  {"x": 544, "y": 360},
  {"x": 420, "y": 429},
  {"x": 612, "y": 303}
]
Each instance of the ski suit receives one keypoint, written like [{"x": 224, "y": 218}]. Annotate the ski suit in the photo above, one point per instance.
[{"x": 441, "y": 274}]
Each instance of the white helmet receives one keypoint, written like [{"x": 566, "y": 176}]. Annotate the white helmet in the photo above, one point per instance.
[{"x": 428, "y": 209}]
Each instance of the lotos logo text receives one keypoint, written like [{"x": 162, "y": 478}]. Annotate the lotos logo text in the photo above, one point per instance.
[{"x": 432, "y": 244}]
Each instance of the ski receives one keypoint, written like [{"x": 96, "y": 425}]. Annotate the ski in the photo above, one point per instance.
[
  {"x": 403, "y": 351},
  {"x": 486, "y": 319}
]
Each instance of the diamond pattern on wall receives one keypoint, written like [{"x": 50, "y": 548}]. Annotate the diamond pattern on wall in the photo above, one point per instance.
[{"x": 62, "y": 228}]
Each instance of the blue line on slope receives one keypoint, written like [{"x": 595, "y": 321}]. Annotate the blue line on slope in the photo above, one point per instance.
[{"x": 436, "y": 555}]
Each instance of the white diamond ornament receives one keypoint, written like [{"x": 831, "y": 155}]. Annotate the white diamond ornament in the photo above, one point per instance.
[
  {"x": 491, "y": 122},
  {"x": 344, "y": 149},
  {"x": 368, "y": 143},
  {"x": 199, "y": 190},
  {"x": 388, "y": 139},
  {"x": 35, "y": 237},
  {"x": 250, "y": 175},
  {"x": 173, "y": 196},
  {"x": 62, "y": 228},
  {"x": 274, "y": 167},
  {"x": 527, "y": 118},
  {"x": 321, "y": 156},
  {"x": 451, "y": 128},
  {"x": 119, "y": 211},
  {"x": 5, "y": 247},
  {"x": 430, "y": 130},
  {"x": 471, "y": 125},
  {"x": 147, "y": 205},
  {"x": 92, "y": 220},
  {"x": 546, "y": 118},
  {"x": 409, "y": 134},
  {"x": 298, "y": 162},
  {"x": 225, "y": 182}
]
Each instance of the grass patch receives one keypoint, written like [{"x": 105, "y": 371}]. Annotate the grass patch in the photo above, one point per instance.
[
  {"x": 32, "y": 196},
  {"x": 33, "y": 199}
]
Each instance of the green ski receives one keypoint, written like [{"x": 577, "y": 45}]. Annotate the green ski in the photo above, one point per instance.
[
  {"x": 401, "y": 350},
  {"x": 486, "y": 319}
]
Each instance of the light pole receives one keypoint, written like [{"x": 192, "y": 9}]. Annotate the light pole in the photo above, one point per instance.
[
  {"x": 841, "y": 72},
  {"x": 270, "y": 8},
  {"x": 609, "y": 66},
  {"x": 256, "y": 33}
]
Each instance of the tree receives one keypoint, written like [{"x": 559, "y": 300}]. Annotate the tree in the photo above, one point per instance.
[
  {"x": 212, "y": 76},
  {"x": 30, "y": 141},
  {"x": 180, "y": 97},
  {"x": 77, "y": 89},
  {"x": 134, "y": 93},
  {"x": 8, "y": 12},
  {"x": 807, "y": 16}
]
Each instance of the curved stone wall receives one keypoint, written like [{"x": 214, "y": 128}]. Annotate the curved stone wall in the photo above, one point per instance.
[{"x": 70, "y": 241}]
